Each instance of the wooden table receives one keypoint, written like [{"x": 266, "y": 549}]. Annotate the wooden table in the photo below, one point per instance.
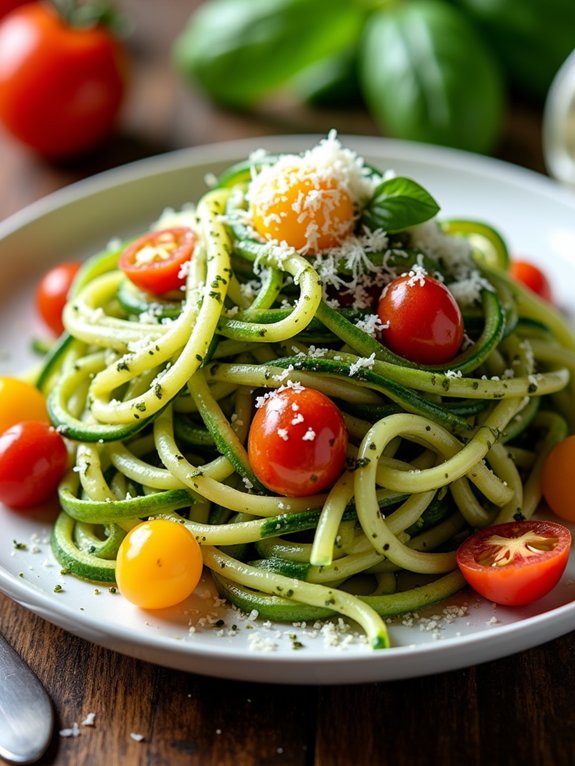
[{"x": 517, "y": 710}]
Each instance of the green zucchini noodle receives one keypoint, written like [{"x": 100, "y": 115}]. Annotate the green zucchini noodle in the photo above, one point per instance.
[{"x": 157, "y": 395}]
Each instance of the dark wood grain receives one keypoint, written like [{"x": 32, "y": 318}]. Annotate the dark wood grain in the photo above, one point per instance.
[{"x": 518, "y": 710}]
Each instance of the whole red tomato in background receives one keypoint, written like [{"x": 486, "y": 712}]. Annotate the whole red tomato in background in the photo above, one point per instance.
[
  {"x": 61, "y": 86},
  {"x": 8, "y": 5}
]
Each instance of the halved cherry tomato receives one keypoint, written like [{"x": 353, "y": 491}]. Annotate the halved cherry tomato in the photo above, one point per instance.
[
  {"x": 297, "y": 442},
  {"x": 155, "y": 262},
  {"x": 33, "y": 460},
  {"x": 517, "y": 562},
  {"x": 422, "y": 321},
  {"x": 52, "y": 293},
  {"x": 532, "y": 277},
  {"x": 159, "y": 564},
  {"x": 20, "y": 400},
  {"x": 297, "y": 205},
  {"x": 62, "y": 82},
  {"x": 557, "y": 479}
]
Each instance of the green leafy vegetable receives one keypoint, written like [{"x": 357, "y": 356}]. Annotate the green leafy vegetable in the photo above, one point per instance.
[
  {"x": 427, "y": 76},
  {"x": 332, "y": 82},
  {"x": 531, "y": 38},
  {"x": 240, "y": 50},
  {"x": 435, "y": 71},
  {"x": 397, "y": 204}
]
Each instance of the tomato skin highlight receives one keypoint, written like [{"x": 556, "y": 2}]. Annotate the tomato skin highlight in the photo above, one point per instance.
[
  {"x": 297, "y": 442},
  {"x": 33, "y": 460},
  {"x": 557, "y": 479},
  {"x": 532, "y": 277},
  {"x": 20, "y": 400},
  {"x": 52, "y": 293},
  {"x": 61, "y": 87},
  {"x": 517, "y": 562},
  {"x": 159, "y": 564},
  {"x": 422, "y": 321},
  {"x": 154, "y": 261}
]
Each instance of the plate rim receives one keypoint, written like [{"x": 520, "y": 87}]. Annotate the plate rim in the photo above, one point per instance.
[
  {"x": 39, "y": 601},
  {"x": 169, "y": 161}
]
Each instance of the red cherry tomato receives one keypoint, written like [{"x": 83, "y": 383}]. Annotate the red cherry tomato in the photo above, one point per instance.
[
  {"x": 517, "y": 562},
  {"x": 61, "y": 86},
  {"x": 52, "y": 293},
  {"x": 557, "y": 479},
  {"x": 33, "y": 460},
  {"x": 422, "y": 322},
  {"x": 155, "y": 261},
  {"x": 159, "y": 564},
  {"x": 297, "y": 442},
  {"x": 532, "y": 277}
]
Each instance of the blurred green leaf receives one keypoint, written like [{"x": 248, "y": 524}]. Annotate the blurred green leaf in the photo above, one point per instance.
[
  {"x": 331, "y": 82},
  {"x": 532, "y": 38},
  {"x": 238, "y": 51},
  {"x": 427, "y": 76}
]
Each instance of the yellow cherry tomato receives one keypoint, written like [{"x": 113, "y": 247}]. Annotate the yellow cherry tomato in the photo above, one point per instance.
[
  {"x": 307, "y": 210},
  {"x": 159, "y": 564},
  {"x": 557, "y": 479},
  {"x": 20, "y": 401}
]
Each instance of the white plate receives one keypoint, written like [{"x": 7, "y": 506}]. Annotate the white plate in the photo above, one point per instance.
[{"x": 537, "y": 218}]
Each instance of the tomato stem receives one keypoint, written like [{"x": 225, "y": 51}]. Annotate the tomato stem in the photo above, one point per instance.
[{"x": 83, "y": 14}]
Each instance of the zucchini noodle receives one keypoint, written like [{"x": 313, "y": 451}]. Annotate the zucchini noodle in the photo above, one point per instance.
[{"x": 157, "y": 395}]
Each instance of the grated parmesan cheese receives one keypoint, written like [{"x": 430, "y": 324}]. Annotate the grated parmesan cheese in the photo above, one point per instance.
[
  {"x": 467, "y": 290},
  {"x": 371, "y": 324},
  {"x": 328, "y": 159},
  {"x": 362, "y": 363},
  {"x": 322, "y": 179}
]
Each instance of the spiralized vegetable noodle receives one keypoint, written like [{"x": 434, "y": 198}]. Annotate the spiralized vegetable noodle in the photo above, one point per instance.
[{"x": 158, "y": 393}]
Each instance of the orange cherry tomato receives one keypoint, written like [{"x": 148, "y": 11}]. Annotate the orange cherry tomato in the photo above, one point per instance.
[
  {"x": 61, "y": 86},
  {"x": 297, "y": 442},
  {"x": 52, "y": 293},
  {"x": 557, "y": 479},
  {"x": 159, "y": 564},
  {"x": 515, "y": 563},
  {"x": 532, "y": 277},
  {"x": 155, "y": 262},
  {"x": 299, "y": 206},
  {"x": 19, "y": 401},
  {"x": 421, "y": 319},
  {"x": 33, "y": 460}
]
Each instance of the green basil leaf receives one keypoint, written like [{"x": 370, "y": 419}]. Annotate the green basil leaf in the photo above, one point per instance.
[
  {"x": 238, "y": 51},
  {"x": 397, "y": 204},
  {"x": 427, "y": 76}
]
